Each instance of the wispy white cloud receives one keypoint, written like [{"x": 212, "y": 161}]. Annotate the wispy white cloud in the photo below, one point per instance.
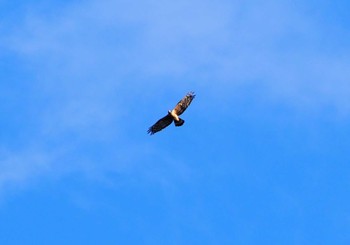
[
  {"x": 17, "y": 168},
  {"x": 230, "y": 43}
]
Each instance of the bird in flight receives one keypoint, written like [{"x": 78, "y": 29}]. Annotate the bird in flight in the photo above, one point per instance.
[{"x": 173, "y": 115}]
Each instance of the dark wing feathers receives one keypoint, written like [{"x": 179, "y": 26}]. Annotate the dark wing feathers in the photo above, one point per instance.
[
  {"x": 168, "y": 119},
  {"x": 184, "y": 103},
  {"x": 160, "y": 124}
]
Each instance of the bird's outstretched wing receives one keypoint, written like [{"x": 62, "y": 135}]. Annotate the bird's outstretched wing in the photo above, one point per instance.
[
  {"x": 160, "y": 124},
  {"x": 184, "y": 103}
]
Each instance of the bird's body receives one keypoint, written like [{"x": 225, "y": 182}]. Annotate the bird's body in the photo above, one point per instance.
[{"x": 173, "y": 115}]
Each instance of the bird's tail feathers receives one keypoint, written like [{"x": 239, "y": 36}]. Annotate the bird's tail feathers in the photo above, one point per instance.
[{"x": 179, "y": 123}]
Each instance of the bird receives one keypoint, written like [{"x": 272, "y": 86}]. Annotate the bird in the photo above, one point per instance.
[{"x": 173, "y": 115}]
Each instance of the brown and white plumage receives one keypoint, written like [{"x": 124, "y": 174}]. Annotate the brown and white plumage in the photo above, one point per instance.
[{"x": 173, "y": 115}]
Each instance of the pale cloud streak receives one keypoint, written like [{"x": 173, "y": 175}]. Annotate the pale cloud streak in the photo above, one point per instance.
[
  {"x": 220, "y": 45},
  {"x": 17, "y": 168}
]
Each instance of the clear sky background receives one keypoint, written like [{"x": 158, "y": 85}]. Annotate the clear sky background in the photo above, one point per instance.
[{"x": 263, "y": 157}]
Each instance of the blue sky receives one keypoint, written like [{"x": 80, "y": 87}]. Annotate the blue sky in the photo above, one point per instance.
[{"x": 263, "y": 157}]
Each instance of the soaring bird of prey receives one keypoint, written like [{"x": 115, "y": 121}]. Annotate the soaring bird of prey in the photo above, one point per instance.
[{"x": 173, "y": 115}]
